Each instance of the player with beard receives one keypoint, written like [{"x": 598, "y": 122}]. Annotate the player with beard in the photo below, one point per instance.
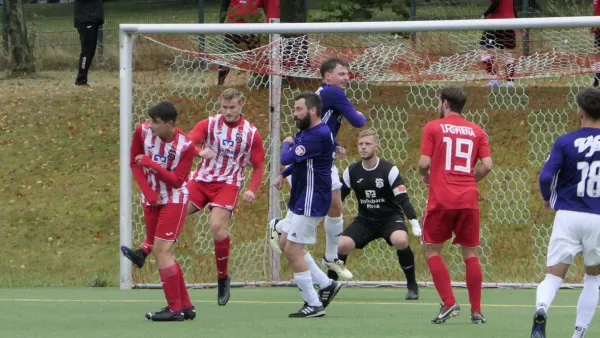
[
  {"x": 335, "y": 108},
  {"x": 382, "y": 203},
  {"x": 450, "y": 148},
  {"x": 310, "y": 156}
]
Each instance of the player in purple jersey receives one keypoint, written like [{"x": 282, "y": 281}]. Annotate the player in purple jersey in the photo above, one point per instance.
[
  {"x": 570, "y": 184},
  {"x": 310, "y": 156},
  {"x": 336, "y": 107}
]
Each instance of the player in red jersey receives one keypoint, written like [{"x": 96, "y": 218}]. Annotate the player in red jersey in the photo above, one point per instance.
[
  {"x": 239, "y": 11},
  {"x": 230, "y": 143},
  {"x": 450, "y": 148},
  {"x": 161, "y": 160},
  {"x": 504, "y": 40},
  {"x": 596, "y": 31}
]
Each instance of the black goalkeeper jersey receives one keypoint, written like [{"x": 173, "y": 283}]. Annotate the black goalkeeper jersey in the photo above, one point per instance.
[{"x": 374, "y": 188}]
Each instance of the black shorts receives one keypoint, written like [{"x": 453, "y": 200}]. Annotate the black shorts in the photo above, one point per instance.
[
  {"x": 252, "y": 41},
  {"x": 503, "y": 39},
  {"x": 365, "y": 230}
]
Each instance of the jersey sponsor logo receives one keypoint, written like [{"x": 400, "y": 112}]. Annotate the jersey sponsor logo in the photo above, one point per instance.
[
  {"x": 591, "y": 142},
  {"x": 162, "y": 160},
  {"x": 457, "y": 130},
  {"x": 228, "y": 147},
  {"x": 171, "y": 155},
  {"x": 300, "y": 150},
  {"x": 379, "y": 182},
  {"x": 370, "y": 193}
]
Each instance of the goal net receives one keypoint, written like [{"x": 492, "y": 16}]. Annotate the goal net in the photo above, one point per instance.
[{"x": 396, "y": 69}]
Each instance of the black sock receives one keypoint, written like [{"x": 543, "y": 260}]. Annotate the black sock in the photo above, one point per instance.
[{"x": 406, "y": 258}]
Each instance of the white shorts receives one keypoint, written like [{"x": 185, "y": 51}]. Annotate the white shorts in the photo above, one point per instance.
[
  {"x": 336, "y": 184},
  {"x": 574, "y": 232},
  {"x": 300, "y": 229}
]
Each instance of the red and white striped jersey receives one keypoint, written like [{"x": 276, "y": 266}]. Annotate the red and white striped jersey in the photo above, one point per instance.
[
  {"x": 165, "y": 167},
  {"x": 235, "y": 145}
]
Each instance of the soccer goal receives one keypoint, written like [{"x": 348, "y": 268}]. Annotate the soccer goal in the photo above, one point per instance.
[{"x": 396, "y": 68}]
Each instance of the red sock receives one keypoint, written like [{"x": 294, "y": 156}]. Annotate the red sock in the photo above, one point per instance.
[
  {"x": 441, "y": 280},
  {"x": 474, "y": 280},
  {"x": 170, "y": 281},
  {"x": 222, "y": 256},
  {"x": 186, "y": 303}
]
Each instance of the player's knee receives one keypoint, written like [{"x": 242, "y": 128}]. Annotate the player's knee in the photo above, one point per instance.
[
  {"x": 346, "y": 245},
  {"x": 335, "y": 210},
  {"x": 430, "y": 250},
  {"x": 399, "y": 239},
  {"x": 469, "y": 252},
  {"x": 282, "y": 241}
]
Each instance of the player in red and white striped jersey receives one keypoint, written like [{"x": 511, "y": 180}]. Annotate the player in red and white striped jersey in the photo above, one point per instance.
[
  {"x": 230, "y": 143},
  {"x": 161, "y": 160}
]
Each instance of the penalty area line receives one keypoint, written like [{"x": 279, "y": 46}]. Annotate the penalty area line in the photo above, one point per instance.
[{"x": 257, "y": 302}]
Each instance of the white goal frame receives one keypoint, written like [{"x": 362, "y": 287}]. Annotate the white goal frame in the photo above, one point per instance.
[{"x": 127, "y": 32}]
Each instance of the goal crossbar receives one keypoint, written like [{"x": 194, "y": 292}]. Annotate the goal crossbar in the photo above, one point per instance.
[{"x": 364, "y": 27}]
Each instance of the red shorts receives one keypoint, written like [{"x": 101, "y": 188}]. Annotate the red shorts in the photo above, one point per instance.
[
  {"x": 438, "y": 226},
  {"x": 164, "y": 221},
  {"x": 215, "y": 194}
]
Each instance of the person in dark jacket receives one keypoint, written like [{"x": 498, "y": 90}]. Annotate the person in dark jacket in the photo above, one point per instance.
[{"x": 89, "y": 16}]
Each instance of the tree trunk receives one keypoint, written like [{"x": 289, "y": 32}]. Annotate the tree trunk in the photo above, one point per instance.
[
  {"x": 295, "y": 50},
  {"x": 18, "y": 42}
]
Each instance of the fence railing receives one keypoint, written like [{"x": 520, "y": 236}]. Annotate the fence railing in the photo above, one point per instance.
[{"x": 51, "y": 30}]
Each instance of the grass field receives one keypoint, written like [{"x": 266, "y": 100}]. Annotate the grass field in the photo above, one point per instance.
[{"x": 262, "y": 312}]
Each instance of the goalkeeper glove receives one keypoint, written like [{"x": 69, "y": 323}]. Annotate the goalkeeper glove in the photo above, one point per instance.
[{"x": 416, "y": 228}]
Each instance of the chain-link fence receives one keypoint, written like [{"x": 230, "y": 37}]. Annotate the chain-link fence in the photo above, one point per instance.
[{"x": 56, "y": 42}]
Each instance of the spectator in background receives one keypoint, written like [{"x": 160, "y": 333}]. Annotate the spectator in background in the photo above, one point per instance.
[
  {"x": 499, "y": 39},
  {"x": 89, "y": 16},
  {"x": 244, "y": 11},
  {"x": 596, "y": 31}
]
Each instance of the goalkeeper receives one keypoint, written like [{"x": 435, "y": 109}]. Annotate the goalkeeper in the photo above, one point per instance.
[{"x": 383, "y": 202}]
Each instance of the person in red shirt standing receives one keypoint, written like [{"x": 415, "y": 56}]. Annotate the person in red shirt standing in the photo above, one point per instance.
[
  {"x": 450, "y": 148},
  {"x": 504, "y": 40},
  {"x": 161, "y": 160},
  {"x": 596, "y": 32},
  {"x": 230, "y": 143},
  {"x": 244, "y": 11}
]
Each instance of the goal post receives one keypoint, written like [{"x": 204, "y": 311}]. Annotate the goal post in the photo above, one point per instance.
[{"x": 394, "y": 81}]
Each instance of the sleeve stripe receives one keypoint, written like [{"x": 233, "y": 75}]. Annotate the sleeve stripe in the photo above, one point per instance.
[
  {"x": 346, "y": 177},
  {"x": 393, "y": 175}
]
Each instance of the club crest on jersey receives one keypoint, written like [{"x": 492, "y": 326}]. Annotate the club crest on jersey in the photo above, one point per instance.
[
  {"x": 162, "y": 160},
  {"x": 228, "y": 147},
  {"x": 171, "y": 156},
  {"x": 379, "y": 182},
  {"x": 238, "y": 138},
  {"x": 300, "y": 150}
]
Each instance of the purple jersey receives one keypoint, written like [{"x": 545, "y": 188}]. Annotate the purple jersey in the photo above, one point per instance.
[
  {"x": 570, "y": 179},
  {"x": 310, "y": 160},
  {"x": 335, "y": 107}
]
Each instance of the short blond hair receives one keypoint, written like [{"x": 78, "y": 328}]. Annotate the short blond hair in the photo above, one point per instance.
[
  {"x": 369, "y": 132},
  {"x": 232, "y": 93}
]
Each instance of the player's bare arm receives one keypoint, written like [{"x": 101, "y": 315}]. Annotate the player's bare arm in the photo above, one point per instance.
[
  {"x": 424, "y": 165},
  {"x": 484, "y": 168},
  {"x": 257, "y": 160}
]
